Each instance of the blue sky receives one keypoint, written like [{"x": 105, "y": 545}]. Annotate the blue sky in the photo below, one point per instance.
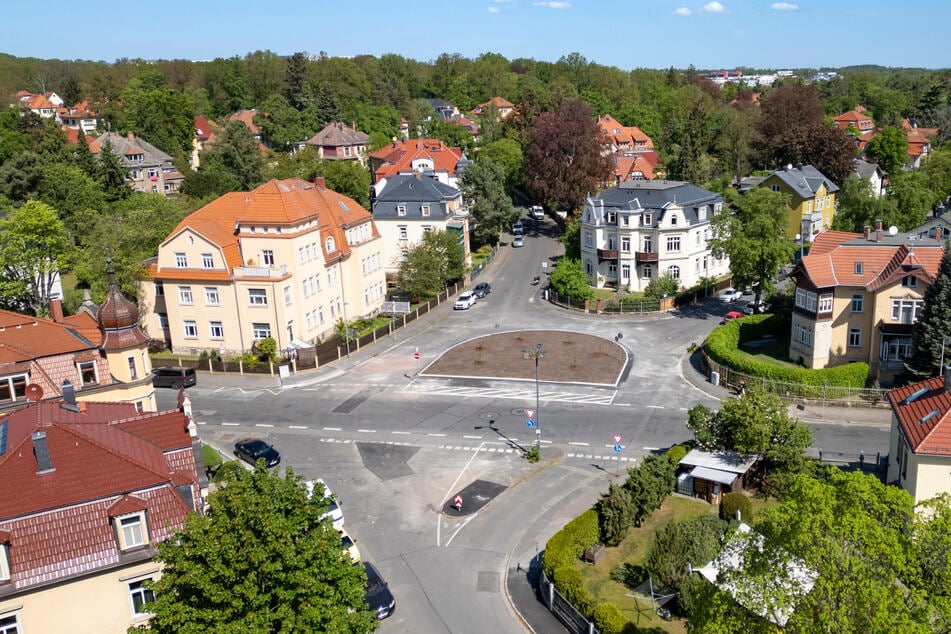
[{"x": 709, "y": 34}]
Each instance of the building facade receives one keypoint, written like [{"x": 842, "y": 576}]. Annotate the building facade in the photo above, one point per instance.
[
  {"x": 811, "y": 199},
  {"x": 857, "y": 297},
  {"x": 287, "y": 260},
  {"x": 430, "y": 157},
  {"x": 641, "y": 230},
  {"x": 149, "y": 169}
]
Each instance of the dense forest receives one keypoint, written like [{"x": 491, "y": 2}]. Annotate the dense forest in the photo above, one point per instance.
[{"x": 704, "y": 133}]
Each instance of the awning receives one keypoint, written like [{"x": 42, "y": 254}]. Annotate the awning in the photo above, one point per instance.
[{"x": 713, "y": 475}]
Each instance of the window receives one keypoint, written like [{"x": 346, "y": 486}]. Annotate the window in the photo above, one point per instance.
[
  {"x": 858, "y": 304},
  {"x": 647, "y": 220},
  {"x": 184, "y": 294},
  {"x": 257, "y": 296},
  {"x": 211, "y": 295},
  {"x": 825, "y": 303},
  {"x": 261, "y": 331},
  {"x": 673, "y": 220},
  {"x": 674, "y": 272},
  {"x": 87, "y": 373},
  {"x": 402, "y": 229},
  {"x": 909, "y": 281},
  {"x": 427, "y": 228},
  {"x": 181, "y": 261},
  {"x": 625, "y": 245},
  {"x": 612, "y": 217},
  {"x": 131, "y": 530},
  {"x": 287, "y": 295},
  {"x": 159, "y": 289},
  {"x": 906, "y": 311},
  {"x": 648, "y": 244},
  {"x": 207, "y": 261},
  {"x": 804, "y": 335},
  {"x": 216, "y": 329},
  {"x": 163, "y": 321},
  {"x": 141, "y": 596},
  {"x": 133, "y": 373},
  {"x": 4, "y": 571},
  {"x": 625, "y": 271},
  {"x": 855, "y": 337},
  {"x": 331, "y": 245},
  {"x": 673, "y": 244},
  {"x": 896, "y": 349},
  {"x": 612, "y": 270},
  {"x": 401, "y": 210},
  {"x": 267, "y": 256},
  {"x": 425, "y": 210},
  {"x": 191, "y": 329},
  {"x": 702, "y": 213},
  {"x": 808, "y": 206},
  {"x": 648, "y": 272},
  {"x": 588, "y": 239},
  {"x": 774, "y": 188},
  {"x": 858, "y": 268},
  {"x": 805, "y": 299},
  {"x": 9, "y": 625}
]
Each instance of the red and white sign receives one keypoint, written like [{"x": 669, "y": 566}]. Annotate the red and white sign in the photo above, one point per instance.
[
  {"x": 416, "y": 356},
  {"x": 530, "y": 413},
  {"x": 617, "y": 438},
  {"x": 457, "y": 502}
]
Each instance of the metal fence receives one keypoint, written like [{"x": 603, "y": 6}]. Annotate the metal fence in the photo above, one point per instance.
[
  {"x": 558, "y": 605},
  {"x": 612, "y": 306}
]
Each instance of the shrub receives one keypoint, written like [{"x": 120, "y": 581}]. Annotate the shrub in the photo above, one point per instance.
[
  {"x": 733, "y": 502},
  {"x": 676, "y": 453},
  {"x": 608, "y": 619},
  {"x": 570, "y": 584},
  {"x": 693, "y": 541},
  {"x": 567, "y": 545}
]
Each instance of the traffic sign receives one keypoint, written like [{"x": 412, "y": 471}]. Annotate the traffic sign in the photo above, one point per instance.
[
  {"x": 617, "y": 438},
  {"x": 618, "y": 448},
  {"x": 530, "y": 423},
  {"x": 457, "y": 502},
  {"x": 530, "y": 413},
  {"x": 416, "y": 356}
]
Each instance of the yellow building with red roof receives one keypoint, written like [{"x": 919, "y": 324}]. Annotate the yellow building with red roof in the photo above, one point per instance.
[{"x": 286, "y": 260}]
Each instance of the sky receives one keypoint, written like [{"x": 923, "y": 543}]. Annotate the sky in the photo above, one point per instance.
[{"x": 628, "y": 34}]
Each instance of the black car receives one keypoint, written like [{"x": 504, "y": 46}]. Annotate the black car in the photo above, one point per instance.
[
  {"x": 378, "y": 595},
  {"x": 254, "y": 449},
  {"x": 481, "y": 289}
]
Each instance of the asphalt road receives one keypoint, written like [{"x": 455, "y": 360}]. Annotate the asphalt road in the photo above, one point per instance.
[{"x": 395, "y": 448}]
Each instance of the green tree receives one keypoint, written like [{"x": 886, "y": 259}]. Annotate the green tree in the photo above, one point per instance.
[
  {"x": 569, "y": 280},
  {"x": 616, "y": 512},
  {"x": 754, "y": 238},
  {"x": 298, "y": 91},
  {"x": 20, "y": 176},
  {"x": 431, "y": 264},
  {"x": 34, "y": 251},
  {"x": 327, "y": 106},
  {"x": 280, "y": 124},
  {"x": 933, "y": 327},
  {"x": 111, "y": 173},
  {"x": 507, "y": 154},
  {"x": 649, "y": 483},
  {"x": 238, "y": 153},
  {"x": 483, "y": 186},
  {"x": 348, "y": 178},
  {"x": 678, "y": 545},
  {"x": 661, "y": 287},
  {"x": 857, "y": 207},
  {"x": 162, "y": 116},
  {"x": 72, "y": 193},
  {"x": 260, "y": 560},
  {"x": 889, "y": 148}
]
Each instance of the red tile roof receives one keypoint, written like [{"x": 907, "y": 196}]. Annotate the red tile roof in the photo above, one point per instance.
[
  {"x": 24, "y": 338},
  {"x": 854, "y": 118},
  {"x": 925, "y": 421},
  {"x": 398, "y": 157},
  {"x": 624, "y": 137}
]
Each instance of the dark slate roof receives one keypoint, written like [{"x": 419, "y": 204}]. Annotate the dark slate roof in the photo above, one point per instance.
[
  {"x": 414, "y": 191},
  {"x": 805, "y": 180},
  {"x": 864, "y": 169},
  {"x": 635, "y": 195},
  {"x": 337, "y": 135}
]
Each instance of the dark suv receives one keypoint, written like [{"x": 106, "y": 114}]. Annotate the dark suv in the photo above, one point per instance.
[{"x": 174, "y": 377}]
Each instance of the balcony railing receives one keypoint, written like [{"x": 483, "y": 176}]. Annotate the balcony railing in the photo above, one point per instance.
[
  {"x": 607, "y": 254},
  {"x": 260, "y": 271},
  {"x": 646, "y": 256}
]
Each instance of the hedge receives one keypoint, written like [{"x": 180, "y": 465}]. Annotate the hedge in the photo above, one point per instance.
[
  {"x": 568, "y": 545},
  {"x": 722, "y": 346},
  {"x": 571, "y": 585},
  {"x": 677, "y": 452},
  {"x": 609, "y": 620}
]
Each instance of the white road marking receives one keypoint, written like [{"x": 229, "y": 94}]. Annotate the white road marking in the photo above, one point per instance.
[
  {"x": 231, "y": 424},
  {"x": 263, "y": 425},
  {"x": 331, "y": 429},
  {"x": 297, "y": 426},
  {"x": 580, "y": 444},
  {"x": 473, "y": 437},
  {"x": 367, "y": 431}
]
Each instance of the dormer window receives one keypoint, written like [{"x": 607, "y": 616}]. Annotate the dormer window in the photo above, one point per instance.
[
  {"x": 425, "y": 210},
  {"x": 331, "y": 245},
  {"x": 401, "y": 210},
  {"x": 4, "y": 562},
  {"x": 859, "y": 269},
  {"x": 612, "y": 217},
  {"x": 132, "y": 530},
  {"x": 647, "y": 220},
  {"x": 87, "y": 373},
  {"x": 909, "y": 281}
]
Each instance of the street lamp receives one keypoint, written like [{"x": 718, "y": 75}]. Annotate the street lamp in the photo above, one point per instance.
[
  {"x": 536, "y": 354},
  {"x": 801, "y": 239}
]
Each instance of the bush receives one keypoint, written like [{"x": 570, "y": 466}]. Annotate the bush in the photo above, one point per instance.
[
  {"x": 616, "y": 513},
  {"x": 676, "y": 453},
  {"x": 733, "y": 502},
  {"x": 567, "y": 545},
  {"x": 571, "y": 585},
  {"x": 693, "y": 541},
  {"x": 608, "y": 619}
]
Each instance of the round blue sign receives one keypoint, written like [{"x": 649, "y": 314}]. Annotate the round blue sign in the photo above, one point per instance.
[
  {"x": 529, "y": 423},
  {"x": 618, "y": 448}
]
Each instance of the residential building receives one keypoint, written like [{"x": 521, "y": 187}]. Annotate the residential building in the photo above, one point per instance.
[
  {"x": 430, "y": 157},
  {"x": 149, "y": 168},
  {"x": 630, "y": 165},
  {"x": 938, "y": 226},
  {"x": 79, "y": 117},
  {"x": 857, "y": 296},
  {"x": 857, "y": 119},
  {"x": 919, "y": 147},
  {"x": 98, "y": 354},
  {"x": 410, "y": 206},
  {"x": 90, "y": 490},
  {"x": 286, "y": 260},
  {"x": 619, "y": 138},
  {"x": 504, "y": 107},
  {"x": 340, "y": 142},
  {"x": 811, "y": 199},
  {"x": 45, "y": 105},
  {"x": 872, "y": 173},
  {"x": 204, "y": 133},
  {"x": 919, "y": 451},
  {"x": 640, "y": 230}
]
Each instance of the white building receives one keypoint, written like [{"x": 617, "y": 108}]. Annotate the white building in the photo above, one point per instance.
[{"x": 640, "y": 230}]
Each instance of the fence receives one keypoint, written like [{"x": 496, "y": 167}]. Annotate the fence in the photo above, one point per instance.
[
  {"x": 558, "y": 605},
  {"x": 611, "y": 306}
]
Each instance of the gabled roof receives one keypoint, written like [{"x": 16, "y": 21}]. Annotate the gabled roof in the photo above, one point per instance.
[
  {"x": 247, "y": 118},
  {"x": 398, "y": 157},
  {"x": 202, "y": 128},
  {"x": 338, "y": 135},
  {"x": 833, "y": 258},
  {"x": 852, "y": 117},
  {"x": 628, "y": 165},
  {"x": 24, "y": 338},
  {"x": 502, "y": 104},
  {"x": 865, "y": 169},
  {"x": 923, "y": 411},
  {"x": 623, "y": 136},
  {"x": 803, "y": 180},
  {"x": 656, "y": 195},
  {"x": 128, "y": 145},
  {"x": 412, "y": 191}
]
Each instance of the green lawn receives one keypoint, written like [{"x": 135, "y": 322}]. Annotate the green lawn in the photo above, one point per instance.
[{"x": 633, "y": 549}]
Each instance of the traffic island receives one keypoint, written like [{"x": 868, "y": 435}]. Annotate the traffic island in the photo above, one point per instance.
[{"x": 472, "y": 498}]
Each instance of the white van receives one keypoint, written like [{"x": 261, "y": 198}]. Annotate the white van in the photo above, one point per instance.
[{"x": 537, "y": 212}]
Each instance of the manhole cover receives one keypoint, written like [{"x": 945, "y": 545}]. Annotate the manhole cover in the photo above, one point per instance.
[
  {"x": 518, "y": 411},
  {"x": 489, "y": 415}
]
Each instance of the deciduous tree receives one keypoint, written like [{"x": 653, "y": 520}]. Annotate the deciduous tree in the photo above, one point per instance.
[
  {"x": 435, "y": 261},
  {"x": 889, "y": 148},
  {"x": 483, "y": 186}
]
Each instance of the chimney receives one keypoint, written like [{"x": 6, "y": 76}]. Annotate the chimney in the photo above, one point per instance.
[
  {"x": 878, "y": 231},
  {"x": 69, "y": 393},
  {"x": 56, "y": 308},
  {"x": 878, "y": 225},
  {"x": 42, "y": 452},
  {"x": 130, "y": 136},
  {"x": 320, "y": 182},
  {"x": 868, "y": 231},
  {"x": 939, "y": 232}
]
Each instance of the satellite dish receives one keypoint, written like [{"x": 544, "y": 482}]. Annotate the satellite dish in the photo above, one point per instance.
[
  {"x": 34, "y": 392},
  {"x": 892, "y": 230}
]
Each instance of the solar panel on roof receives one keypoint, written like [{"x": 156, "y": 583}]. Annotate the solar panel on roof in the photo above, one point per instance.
[
  {"x": 924, "y": 419},
  {"x": 914, "y": 397}
]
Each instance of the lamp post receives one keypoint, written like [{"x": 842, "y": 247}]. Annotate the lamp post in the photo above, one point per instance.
[
  {"x": 801, "y": 239},
  {"x": 537, "y": 354}
]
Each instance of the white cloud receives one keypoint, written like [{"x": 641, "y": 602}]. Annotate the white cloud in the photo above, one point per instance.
[
  {"x": 499, "y": 1},
  {"x": 682, "y": 11},
  {"x": 713, "y": 7},
  {"x": 553, "y": 5},
  {"x": 495, "y": 10},
  {"x": 784, "y": 6}
]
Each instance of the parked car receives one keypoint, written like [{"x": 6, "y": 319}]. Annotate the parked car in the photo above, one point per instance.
[
  {"x": 537, "y": 212},
  {"x": 481, "y": 289},
  {"x": 518, "y": 241},
  {"x": 465, "y": 301},
  {"x": 174, "y": 377},
  {"x": 377, "y": 594},
  {"x": 335, "y": 513},
  {"x": 518, "y": 229},
  {"x": 253, "y": 449},
  {"x": 348, "y": 544},
  {"x": 731, "y": 316},
  {"x": 730, "y": 295},
  {"x": 752, "y": 308}
]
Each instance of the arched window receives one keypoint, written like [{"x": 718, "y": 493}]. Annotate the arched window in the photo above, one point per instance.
[
  {"x": 331, "y": 245},
  {"x": 674, "y": 272}
]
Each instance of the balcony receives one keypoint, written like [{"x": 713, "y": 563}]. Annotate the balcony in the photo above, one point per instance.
[
  {"x": 607, "y": 254},
  {"x": 645, "y": 256},
  {"x": 260, "y": 271}
]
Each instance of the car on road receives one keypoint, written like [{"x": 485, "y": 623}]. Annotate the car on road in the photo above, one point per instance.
[
  {"x": 518, "y": 241},
  {"x": 174, "y": 377},
  {"x": 377, "y": 593},
  {"x": 348, "y": 544},
  {"x": 753, "y": 308},
  {"x": 254, "y": 449},
  {"x": 537, "y": 212},
  {"x": 465, "y": 301},
  {"x": 733, "y": 315},
  {"x": 730, "y": 295},
  {"x": 335, "y": 513},
  {"x": 518, "y": 228},
  {"x": 481, "y": 289}
]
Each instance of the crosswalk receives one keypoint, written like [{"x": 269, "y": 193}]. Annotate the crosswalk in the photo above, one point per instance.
[{"x": 596, "y": 398}]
